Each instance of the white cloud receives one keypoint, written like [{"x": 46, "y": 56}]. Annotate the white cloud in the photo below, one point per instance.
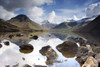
[
  {"x": 79, "y": 12},
  {"x": 35, "y": 14},
  {"x": 93, "y": 9},
  {"x": 6, "y": 15}
]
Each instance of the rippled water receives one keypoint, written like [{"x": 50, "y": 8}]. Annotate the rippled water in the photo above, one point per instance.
[{"x": 12, "y": 56}]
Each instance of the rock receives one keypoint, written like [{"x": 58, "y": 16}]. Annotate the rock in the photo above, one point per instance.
[
  {"x": 39, "y": 66},
  {"x": 26, "y": 65},
  {"x": 97, "y": 57},
  {"x": 50, "y": 54},
  {"x": 19, "y": 35},
  {"x": 68, "y": 49},
  {"x": 17, "y": 65},
  {"x": 10, "y": 36},
  {"x": 7, "y": 43},
  {"x": 90, "y": 62},
  {"x": 34, "y": 37},
  {"x": 0, "y": 45},
  {"x": 96, "y": 49},
  {"x": 81, "y": 41},
  {"x": 27, "y": 48},
  {"x": 7, "y": 66},
  {"x": 83, "y": 53}
]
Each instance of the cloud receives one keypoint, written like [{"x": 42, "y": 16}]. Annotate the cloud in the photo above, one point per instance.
[
  {"x": 35, "y": 13},
  {"x": 6, "y": 15},
  {"x": 12, "y": 5},
  {"x": 79, "y": 12},
  {"x": 93, "y": 9}
]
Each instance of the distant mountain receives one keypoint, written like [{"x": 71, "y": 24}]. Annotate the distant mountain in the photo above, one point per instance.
[
  {"x": 22, "y": 21},
  {"x": 7, "y": 27},
  {"x": 65, "y": 25},
  {"x": 48, "y": 25},
  {"x": 93, "y": 26}
]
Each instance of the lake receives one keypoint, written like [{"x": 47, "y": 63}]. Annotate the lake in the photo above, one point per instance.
[{"x": 42, "y": 52}]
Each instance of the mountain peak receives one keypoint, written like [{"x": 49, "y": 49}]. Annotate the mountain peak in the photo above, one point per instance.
[{"x": 21, "y": 18}]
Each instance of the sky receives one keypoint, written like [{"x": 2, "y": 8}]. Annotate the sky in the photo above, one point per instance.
[{"x": 55, "y": 11}]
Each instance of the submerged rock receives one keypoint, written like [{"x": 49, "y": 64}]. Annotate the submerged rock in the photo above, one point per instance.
[
  {"x": 39, "y": 66},
  {"x": 7, "y": 43},
  {"x": 26, "y": 65},
  {"x": 90, "y": 62},
  {"x": 19, "y": 35},
  {"x": 0, "y": 45},
  {"x": 50, "y": 54},
  {"x": 27, "y": 48},
  {"x": 10, "y": 36},
  {"x": 68, "y": 49},
  {"x": 34, "y": 37}
]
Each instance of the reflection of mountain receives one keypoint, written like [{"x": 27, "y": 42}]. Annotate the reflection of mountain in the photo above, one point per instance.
[
  {"x": 22, "y": 21},
  {"x": 60, "y": 36},
  {"x": 47, "y": 24},
  {"x": 65, "y": 25},
  {"x": 19, "y": 40},
  {"x": 92, "y": 27}
]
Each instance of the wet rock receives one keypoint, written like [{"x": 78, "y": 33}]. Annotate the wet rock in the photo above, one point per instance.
[
  {"x": 10, "y": 36},
  {"x": 23, "y": 58},
  {"x": 50, "y": 54},
  {"x": 81, "y": 41},
  {"x": 0, "y": 45},
  {"x": 19, "y": 35},
  {"x": 34, "y": 37},
  {"x": 96, "y": 49},
  {"x": 90, "y": 62},
  {"x": 27, "y": 48},
  {"x": 26, "y": 65},
  {"x": 44, "y": 50},
  {"x": 97, "y": 57},
  {"x": 39, "y": 66},
  {"x": 68, "y": 49},
  {"x": 7, "y": 66},
  {"x": 7, "y": 43},
  {"x": 83, "y": 53}
]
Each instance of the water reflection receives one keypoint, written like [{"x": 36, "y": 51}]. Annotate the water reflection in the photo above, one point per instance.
[{"x": 51, "y": 58}]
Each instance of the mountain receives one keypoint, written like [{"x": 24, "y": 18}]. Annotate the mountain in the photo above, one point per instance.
[
  {"x": 22, "y": 21},
  {"x": 48, "y": 25},
  {"x": 7, "y": 27},
  {"x": 65, "y": 25},
  {"x": 93, "y": 26}
]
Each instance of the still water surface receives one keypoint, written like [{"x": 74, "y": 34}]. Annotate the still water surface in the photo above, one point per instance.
[{"x": 12, "y": 56}]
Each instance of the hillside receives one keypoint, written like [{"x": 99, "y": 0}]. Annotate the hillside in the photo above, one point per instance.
[
  {"x": 7, "y": 27},
  {"x": 65, "y": 25},
  {"x": 22, "y": 21},
  {"x": 93, "y": 26}
]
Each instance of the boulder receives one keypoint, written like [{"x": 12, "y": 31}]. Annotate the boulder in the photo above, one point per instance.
[
  {"x": 7, "y": 43},
  {"x": 35, "y": 37},
  {"x": 0, "y": 45},
  {"x": 68, "y": 49},
  {"x": 27, "y": 48},
  {"x": 26, "y": 65},
  {"x": 97, "y": 57},
  {"x": 90, "y": 62},
  {"x": 50, "y": 54},
  {"x": 83, "y": 53}
]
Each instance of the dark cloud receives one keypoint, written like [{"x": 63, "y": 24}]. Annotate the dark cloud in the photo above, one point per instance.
[{"x": 12, "y": 5}]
